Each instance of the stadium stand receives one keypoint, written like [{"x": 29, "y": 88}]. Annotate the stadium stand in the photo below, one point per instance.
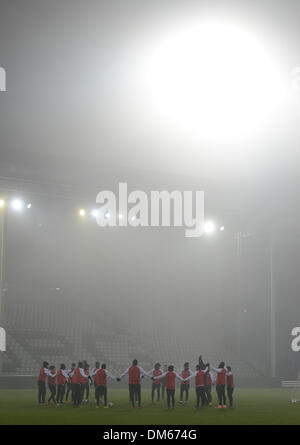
[{"x": 43, "y": 331}]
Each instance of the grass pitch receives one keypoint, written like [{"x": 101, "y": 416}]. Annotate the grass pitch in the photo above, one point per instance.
[{"x": 252, "y": 407}]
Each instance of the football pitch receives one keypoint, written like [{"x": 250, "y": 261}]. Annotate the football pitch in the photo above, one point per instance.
[{"x": 252, "y": 407}]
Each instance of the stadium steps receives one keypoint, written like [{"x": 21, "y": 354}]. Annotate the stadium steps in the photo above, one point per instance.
[{"x": 26, "y": 364}]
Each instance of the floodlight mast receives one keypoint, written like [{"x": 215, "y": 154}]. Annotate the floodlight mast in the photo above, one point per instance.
[
  {"x": 2, "y": 228},
  {"x": 272, "y": 316},
  {"x": 17, "y": 205}
]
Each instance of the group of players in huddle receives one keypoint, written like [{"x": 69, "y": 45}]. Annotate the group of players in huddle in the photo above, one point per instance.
[{"x": 77, "y": 380}]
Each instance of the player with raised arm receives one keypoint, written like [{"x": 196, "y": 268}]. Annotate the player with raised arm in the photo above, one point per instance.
[
  {"x": 170, "y": 376},
  {"x": 85, "y": 384},
  {"x": 70, "y": 383},
  {"x": 209, "y": 380},
  {"x": 100, "y": 378},
  {"x": 97, "y": 366},
  {"x": 220, "y": 384},
  {"x": 201, "y": 363},
  {"x": 92, "y": 371},
  {"x": 135, "y": 373},
  {"x": 199, "y": 377}
]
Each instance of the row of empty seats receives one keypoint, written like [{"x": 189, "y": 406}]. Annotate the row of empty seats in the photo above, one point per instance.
[{"x": 64, "y": 334}]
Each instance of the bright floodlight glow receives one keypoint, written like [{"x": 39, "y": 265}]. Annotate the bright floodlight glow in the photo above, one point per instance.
[
  {"x": 17, "y": 205},
  {"x": 209, "y": 227},
  {"x": 2, "y": 203},
  {"x": 215, "y": 80},
  {"x": 29, "y": 205},
  {"x": 82, "y": 213},
  {"x": 222, "y": 228},
  {"x": 107, "y": 215},
  {"x": 95, "y": 213}
]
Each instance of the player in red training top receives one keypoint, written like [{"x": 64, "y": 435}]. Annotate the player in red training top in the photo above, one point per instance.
[
  {"x": 170, "y": 376},
  {"x": 85, "y": 387},
  {"x": 156, "y": 384},
  {"x": 70, "y": 383},
  {"x": 100, "y": 379},
  {"x": 209, "y": 380},
  {"x": 185, "y": 386},
  {"x": 220, "y": 384},
  {"x": 52, "y": 384},
  {"x": 199, "y": 377},
  {"x": 92, "y": 371},
  {"x": 134, "y": 372},
  {"x": 43, "y": 374},
  {"x": 62, "y": 378},
  {"x": 78, "y": 377}
]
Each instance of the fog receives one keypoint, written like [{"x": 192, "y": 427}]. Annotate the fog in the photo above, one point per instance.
[{"x": 75, "y": 120}]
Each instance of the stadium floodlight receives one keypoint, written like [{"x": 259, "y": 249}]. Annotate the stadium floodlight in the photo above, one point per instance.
[
  {"x": 29, "y": 205},
  {"x": 222, "y": 228},
  {"x": 95, "y": 213},
  {"x": 213, "y": 79},
  {"x": 2, "y": 203},
  {"x": 209, "y": 227},
  {"x": 17, "y": 205},
  {"x": 82, "y": 213}
]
